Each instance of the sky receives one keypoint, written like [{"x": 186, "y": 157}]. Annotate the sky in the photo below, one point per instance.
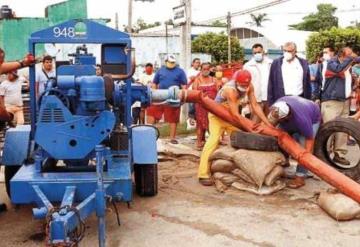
[{"x": 280, "y": 15}]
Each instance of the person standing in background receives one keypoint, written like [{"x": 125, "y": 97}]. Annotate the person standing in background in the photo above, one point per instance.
[
  {"x": 146, "y": 78},
  {"x": 259, "y": 66},
  {"x": 289, "y": 75}
]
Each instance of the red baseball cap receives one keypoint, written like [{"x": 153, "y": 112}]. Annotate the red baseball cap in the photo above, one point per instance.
[{"x": 242, "y": 77}]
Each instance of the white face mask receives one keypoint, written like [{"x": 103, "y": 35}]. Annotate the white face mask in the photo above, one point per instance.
[
  {"x": 241, "y": 89},
  {"x": 326, "y": 57},
  {"x": 288, "y": 56}
]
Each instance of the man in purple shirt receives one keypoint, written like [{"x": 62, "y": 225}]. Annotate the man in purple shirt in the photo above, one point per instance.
[{"x": 300, "y": 118}]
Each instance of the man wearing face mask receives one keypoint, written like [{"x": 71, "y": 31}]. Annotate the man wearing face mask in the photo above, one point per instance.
[
  {"x": 235, "y": 94},
  {"x": 328, "y": 54},
  {"x": 335, "y": 95},
  {"x": 167, "y": 76},
  {"x": 289, "y": 75},
  {"x": 259, "y": 67},
  {"x": 300, "y": 118}
]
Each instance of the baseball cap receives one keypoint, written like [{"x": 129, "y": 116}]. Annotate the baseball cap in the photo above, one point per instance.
[
  {"x": 170, "y": 58},
  {"x": 242, "y": 77},
  {"x": 282, "y": 109}
]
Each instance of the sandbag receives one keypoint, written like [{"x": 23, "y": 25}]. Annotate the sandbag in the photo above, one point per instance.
[
  {"x": 220, "y": 186},
  {"x": 274, "y": 175},
  {"x": 339, "y": 206},
  {"x": 223, "y": 153},
  {"x": 257, "y": 164},
  {"x": 222, "y": 166},
  {"x": 264, "y": 190},
  {"x": 243, "y": 176},
  {"x": 225, "y": 178}
]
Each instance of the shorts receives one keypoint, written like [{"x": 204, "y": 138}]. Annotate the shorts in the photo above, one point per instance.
[{"x": 171, "y": 114}]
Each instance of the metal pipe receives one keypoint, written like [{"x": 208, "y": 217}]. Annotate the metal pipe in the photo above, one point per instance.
[
  {"x": 305, "y": 158},
  {"x": 100, "y": 194}
]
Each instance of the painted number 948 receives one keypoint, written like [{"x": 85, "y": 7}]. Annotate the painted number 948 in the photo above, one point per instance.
[{"x": 64, "y": 32}]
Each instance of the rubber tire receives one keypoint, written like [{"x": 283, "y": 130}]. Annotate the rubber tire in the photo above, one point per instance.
[
  {"x": 146, "y": 179},
  {"x": 9, "y": 173},
  {"x": 253, "y": 141},
  {"x": 346, "y": 125}
]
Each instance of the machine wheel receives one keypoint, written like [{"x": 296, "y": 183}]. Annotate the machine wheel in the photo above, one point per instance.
[
  {"x": 252, "y": 141},
  {"x": 146, "y": 179},
  {"x": 345, "y": 125},
  {"x": 10, "y": 171}
]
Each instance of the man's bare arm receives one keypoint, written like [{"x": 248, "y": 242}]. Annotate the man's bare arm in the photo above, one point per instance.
[
  {"x": 256, "y": 107},
  {"x": 232, "y": 98}
]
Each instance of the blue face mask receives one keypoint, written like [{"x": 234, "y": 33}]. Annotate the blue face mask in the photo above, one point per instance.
[{"x": 258, "y": 57}]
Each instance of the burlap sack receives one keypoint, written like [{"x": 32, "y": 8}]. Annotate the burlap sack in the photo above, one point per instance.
[
  {"x": 222, "y": 166},
  {"x": 274, "y": 175},
  {"x": 225, "y": 178},
  {"x": 220, "y": 186},
  {"x": 264, "y": 190},
  {"x": 223, "y": 153},
  {"x": 243, "y": 176},
  {"x": 339, "y": 206},
  {"x": 257, "y": 164}
]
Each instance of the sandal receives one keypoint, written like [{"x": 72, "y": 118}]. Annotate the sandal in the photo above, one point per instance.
[{"x": 174, "y": 141}]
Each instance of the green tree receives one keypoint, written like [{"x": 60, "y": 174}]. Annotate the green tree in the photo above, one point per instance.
[
  {"x": 335, "y": 37},
  {"x": 142, "y": 25},
  {"x": 217, "y": 46},
  {"x": 218, "y": 23},
  {"x": 322, "y": 20},
  {"x": 257, "y": 20}
]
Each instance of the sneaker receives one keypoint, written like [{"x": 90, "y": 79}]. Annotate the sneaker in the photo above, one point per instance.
[
  {"x": 174, "y": 141},
  {"x": 341, "y": 160},
  {"x": 206, "y": 181},
  {"x": 296, "y": 182}
]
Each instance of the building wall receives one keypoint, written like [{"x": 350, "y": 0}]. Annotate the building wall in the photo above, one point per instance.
[
  {"x": 72, "y": 9},
  {"x": 14, "y": 33}
]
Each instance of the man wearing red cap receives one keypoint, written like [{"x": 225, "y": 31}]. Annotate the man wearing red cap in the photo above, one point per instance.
[{"x": 234, "y": 95}]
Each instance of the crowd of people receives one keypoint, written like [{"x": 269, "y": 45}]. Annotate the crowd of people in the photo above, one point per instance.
[{"x": 288, "y": 93}]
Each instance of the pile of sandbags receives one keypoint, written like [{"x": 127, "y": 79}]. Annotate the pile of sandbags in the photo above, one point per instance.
[
  {"x": 339, "y": 206},
  {"x": 257, "y": 172}
]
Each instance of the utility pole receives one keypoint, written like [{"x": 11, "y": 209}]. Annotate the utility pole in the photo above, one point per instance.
[
  {"x": 129, "y": 27},
  {"x": 116, "y": 21},
  {"x": 228, "y": 24},
  {"x": 185, "y": 51},
  {"x": 130, "y": 13}
]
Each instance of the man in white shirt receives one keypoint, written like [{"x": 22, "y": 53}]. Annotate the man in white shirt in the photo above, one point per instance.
[
  {"x": 259, "y": 67},
  {"x": 194, "y": 70},
  {"x": 44, "y": 74},
  {"x": 146, "y": 78},
  {"x": 289, "y": 75},
  {"x": 10, "y": 94}
]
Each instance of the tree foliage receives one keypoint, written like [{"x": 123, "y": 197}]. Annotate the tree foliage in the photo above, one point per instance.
[
  {"x": 322, "y": 20},
  {"x": 335, "y": 37},
  {"x": 257, "y": 20},
  {"x": 218, "y": 23},
  {"x": 142, "y": 25},
  {"x": 217, "y": 46}
]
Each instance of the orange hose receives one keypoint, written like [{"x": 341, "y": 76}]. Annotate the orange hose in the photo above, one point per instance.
[{"x": 329, "y": 174}]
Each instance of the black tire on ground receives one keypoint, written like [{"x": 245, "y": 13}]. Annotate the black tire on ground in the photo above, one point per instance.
[
  {"x": 252, "y": 141},
  {"x": 146, "y": 179},
  {"x": 10, "y": 171},
  {"x": 345, "y": 125}
]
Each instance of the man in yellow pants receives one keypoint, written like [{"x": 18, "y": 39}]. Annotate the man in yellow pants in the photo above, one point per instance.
[{"x": 237, "y": 92}]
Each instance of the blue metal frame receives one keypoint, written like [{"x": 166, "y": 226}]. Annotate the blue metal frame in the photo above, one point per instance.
[{"x": 32, "y": 185}]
